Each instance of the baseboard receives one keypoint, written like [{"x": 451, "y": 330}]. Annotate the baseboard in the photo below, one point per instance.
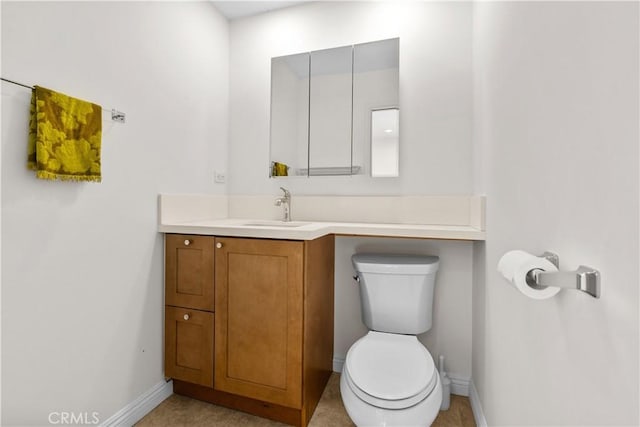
[
  {"x": 476, "y": 407},
  {"x": 338, "y": 363},
  {"x": 136, "y": 410},
  {"x": 459, "y": 385}
]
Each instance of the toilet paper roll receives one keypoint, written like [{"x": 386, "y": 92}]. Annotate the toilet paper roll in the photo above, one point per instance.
[{"x": 514, "y": 266}]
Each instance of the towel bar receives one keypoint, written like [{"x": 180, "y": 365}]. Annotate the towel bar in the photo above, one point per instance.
[
  {"x": 585, "y": 279},
  {"x": 116, "y": 116}
]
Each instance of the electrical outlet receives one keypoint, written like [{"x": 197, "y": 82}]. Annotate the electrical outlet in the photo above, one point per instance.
[{"x": 219, "y": 177}]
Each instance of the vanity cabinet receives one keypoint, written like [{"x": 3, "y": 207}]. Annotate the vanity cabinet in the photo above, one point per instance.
[{"x": 272, "y": 324}]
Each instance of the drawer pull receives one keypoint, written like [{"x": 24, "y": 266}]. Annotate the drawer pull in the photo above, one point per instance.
[
  {"x": 186, "y": 317},
  {"x": 187, "y": 242},
  {"x": 218, "y": 245}
]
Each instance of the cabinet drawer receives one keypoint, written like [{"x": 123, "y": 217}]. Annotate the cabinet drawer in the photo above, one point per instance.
[
  {"x": 189, "y": 345},
  {"x": 189, "y": 271}
]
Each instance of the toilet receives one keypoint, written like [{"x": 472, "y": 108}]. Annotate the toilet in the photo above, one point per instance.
[{"x": 389, "y": 378}]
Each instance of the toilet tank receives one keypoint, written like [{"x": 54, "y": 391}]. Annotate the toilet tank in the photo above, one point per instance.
[{"x": 396, "y": 291}]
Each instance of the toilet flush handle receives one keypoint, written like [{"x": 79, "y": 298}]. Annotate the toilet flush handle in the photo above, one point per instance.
[{"x": 356, "y": 278}]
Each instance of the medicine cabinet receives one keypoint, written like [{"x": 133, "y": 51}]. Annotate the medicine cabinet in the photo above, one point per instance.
[{"x": 336, "y": 111}]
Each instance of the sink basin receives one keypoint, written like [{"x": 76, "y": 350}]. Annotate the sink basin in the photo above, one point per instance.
[{"x": 289, "y": 224}]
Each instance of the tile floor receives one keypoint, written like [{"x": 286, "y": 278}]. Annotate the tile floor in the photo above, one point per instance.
[{"x": 180, "y": 411}]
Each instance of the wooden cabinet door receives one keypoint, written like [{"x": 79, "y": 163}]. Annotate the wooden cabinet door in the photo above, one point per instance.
[
  {"x": 189, "y": 271},
  {"x": 188, "y": 354},
  {"x": 259, "y": 298}
]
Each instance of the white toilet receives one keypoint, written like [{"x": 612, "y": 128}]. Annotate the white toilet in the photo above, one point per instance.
[{"x": 389, "y": 378}]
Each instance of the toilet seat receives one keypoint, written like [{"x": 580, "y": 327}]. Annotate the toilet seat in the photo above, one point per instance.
[{"x": 390, "y": 371}]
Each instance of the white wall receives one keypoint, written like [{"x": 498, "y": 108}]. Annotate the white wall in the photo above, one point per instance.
[
  {"x": 435, "y": 92},
  {"x": 557, "y": 87},
  {"x": 82, "y": 286}
]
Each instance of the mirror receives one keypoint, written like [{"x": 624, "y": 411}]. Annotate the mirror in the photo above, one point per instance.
[
  {"x": 376, "y": 90},
  {"x": 289, "y": 113},
  {"x": 327, "y": 106},
  {"x": 330, "y": 112}
]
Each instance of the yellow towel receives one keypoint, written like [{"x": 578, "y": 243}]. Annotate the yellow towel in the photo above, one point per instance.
[
  {"x": 279, "y": 169},
  {"x": 64, "y": 137}
]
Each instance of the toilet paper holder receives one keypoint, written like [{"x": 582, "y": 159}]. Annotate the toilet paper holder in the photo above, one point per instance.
[{"x": 585, "y": 279}]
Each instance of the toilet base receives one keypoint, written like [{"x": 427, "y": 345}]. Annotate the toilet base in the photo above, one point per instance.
[{"x": 363, "y": 414}]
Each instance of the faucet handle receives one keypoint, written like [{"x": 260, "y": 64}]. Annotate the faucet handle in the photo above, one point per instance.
[{"x": 287, "y": 194}]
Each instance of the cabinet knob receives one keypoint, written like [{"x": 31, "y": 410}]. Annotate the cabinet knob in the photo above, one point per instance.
[
  {"x": 218, "y": 245},
  {"x": 187, "y": 242},
  {"x": 186, "y": 317}
]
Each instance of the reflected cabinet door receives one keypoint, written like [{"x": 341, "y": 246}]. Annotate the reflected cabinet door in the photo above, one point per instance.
[
  {"x": 376, "y": 116},
  {"x": 330, "y": 111},
  {"x": 289, "y": 114}
]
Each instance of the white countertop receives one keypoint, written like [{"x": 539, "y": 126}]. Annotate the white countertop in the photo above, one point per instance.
[{"x": 309, "y": 230}]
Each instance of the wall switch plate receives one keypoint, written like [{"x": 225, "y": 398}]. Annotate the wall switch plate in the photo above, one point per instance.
[{"x": 220, "y": 177}]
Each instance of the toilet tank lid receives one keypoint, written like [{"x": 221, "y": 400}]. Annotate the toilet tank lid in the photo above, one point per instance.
[{"x": 395, "y": 263}]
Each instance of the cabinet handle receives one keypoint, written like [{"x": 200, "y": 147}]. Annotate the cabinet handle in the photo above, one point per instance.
[
  {"x": 218, "y": 245},
  {"x": 187, "y": 242},
  {"x": 186, "y": 317}
]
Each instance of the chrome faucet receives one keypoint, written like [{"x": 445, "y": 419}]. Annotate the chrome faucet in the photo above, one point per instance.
[{"x": 286, "y": 201}]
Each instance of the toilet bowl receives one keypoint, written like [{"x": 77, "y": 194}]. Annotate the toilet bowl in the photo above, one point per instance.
[{"x": 389, "y": 378}]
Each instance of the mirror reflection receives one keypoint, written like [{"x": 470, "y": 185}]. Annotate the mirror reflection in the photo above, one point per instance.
[
  {"x": 325, "y": 110},
  {"x": 330, "y": 111},
  {"x": 375, "y": 88},
  {"x": 385, "y": 139},
  {"x": 289, "y": 113}
]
